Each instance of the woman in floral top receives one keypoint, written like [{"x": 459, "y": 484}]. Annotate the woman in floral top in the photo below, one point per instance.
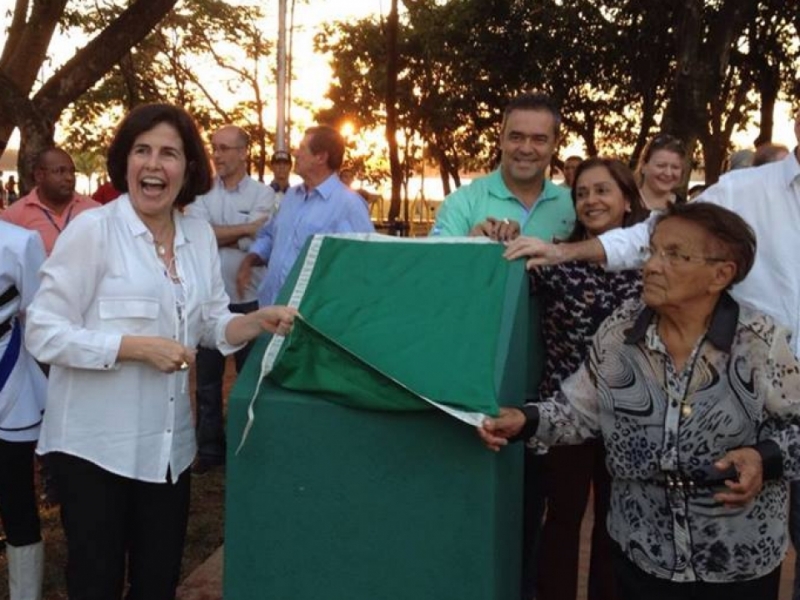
[
  {"x": 697, "y": 399},
  {"x": 576, "y": 298}
]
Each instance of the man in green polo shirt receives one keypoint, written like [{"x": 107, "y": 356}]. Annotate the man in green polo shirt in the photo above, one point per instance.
[
  {"x": 519, "y": 197},
  {"x": 518, "y": 191}
]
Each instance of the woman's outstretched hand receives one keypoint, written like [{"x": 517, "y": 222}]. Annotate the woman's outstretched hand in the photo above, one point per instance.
[{"x": 494, "y": 432}]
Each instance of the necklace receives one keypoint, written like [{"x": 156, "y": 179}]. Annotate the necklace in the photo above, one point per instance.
[
  {"x": 162, "y": 241},
  {"x": 685, "y": 403}
]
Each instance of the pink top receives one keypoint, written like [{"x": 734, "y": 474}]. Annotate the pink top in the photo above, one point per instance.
[{"x": 30, "y": 213}]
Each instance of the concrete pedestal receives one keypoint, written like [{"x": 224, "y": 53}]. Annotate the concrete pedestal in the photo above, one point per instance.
[{"x": 326, "y": 501}]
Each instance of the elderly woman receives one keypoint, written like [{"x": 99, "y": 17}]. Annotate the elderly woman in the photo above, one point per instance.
[
  {"x": 130, "y": 290},
  {"x": 697, "y": 399}
]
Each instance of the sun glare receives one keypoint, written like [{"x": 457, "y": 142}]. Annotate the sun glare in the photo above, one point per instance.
[{"x": 347, "y": 129}]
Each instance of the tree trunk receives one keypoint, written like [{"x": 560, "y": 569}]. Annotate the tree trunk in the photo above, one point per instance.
[
  {"x": 769, "y": 85},
  {"x": 392, "y": 59},
  {"x": 685, "y": 115},
  {"x": 38, "y": 134},
  {"x": 25, "y": 51},
  {"x": 713, "y": 157},
  {"x": 703, "y": 48},
  {"x": 448, "y": 170},
  {"x": 445, "y": 178},
  {"x": 649, "y": 108}
]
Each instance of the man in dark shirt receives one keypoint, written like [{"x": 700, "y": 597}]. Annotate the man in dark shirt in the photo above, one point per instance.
[{"x": 281, "y": 165}]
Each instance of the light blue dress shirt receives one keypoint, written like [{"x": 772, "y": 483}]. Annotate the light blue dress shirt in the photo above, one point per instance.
[{"x": 331, "y": 207}]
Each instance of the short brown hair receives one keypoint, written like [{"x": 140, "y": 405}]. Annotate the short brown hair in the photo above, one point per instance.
[
  {"x": 144, "y": 118},
  {"x": 326, "y": 139},
  {"x": 729, "y": 229}
]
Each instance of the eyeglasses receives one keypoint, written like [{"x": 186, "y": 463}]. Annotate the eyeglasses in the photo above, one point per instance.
[
  {"x": 675, "y": 258},
  {"x": 224, "y": 148},
  {"x": 59, "y": 171}
]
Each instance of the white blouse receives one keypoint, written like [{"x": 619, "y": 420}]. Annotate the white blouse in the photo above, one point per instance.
[{"x": 102, "y": 281}]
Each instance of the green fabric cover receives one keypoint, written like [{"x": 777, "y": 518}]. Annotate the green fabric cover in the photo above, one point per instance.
[
  {"x": 388, "y": 323},
  {"x": 313, "y": 362},
  {"x": 326, "y": 501}
]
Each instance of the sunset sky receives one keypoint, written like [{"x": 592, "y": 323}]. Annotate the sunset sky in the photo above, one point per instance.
[
  {"x": 312, "y": 74},
  {"x": 311, "y": 71}
]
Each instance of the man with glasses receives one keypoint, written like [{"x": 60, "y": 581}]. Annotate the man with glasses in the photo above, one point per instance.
[
  {"x": 53, "y": 203},
  {"x": 768, "y": 199},
  {"x": 236, "y": 207}
]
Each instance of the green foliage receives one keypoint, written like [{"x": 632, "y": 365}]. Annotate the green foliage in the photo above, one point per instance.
[
  {"x": 611, "y": 65},
  {"x": 460, "y": 62},
  {"x": 171, "y": 65}
]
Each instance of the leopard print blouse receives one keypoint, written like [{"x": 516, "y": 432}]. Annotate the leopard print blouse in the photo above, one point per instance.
[{"x": 742, "y": 387}]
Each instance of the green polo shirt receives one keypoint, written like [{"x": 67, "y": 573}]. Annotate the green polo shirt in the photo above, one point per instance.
[{"x": 552, "y": 216}]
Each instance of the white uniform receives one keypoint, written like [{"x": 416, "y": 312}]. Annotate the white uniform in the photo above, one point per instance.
[{"x": 22, "y": 397}]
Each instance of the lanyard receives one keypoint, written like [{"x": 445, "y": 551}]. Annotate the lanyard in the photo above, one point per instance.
[{"x": 52, "y": 220}]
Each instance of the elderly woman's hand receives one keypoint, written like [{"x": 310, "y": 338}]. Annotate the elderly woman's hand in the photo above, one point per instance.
[
  {"x": 495, "y": 431},
  {"x": 747, "y": 462}
]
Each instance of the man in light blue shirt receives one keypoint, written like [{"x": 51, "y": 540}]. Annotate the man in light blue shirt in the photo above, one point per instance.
[{"x": 321, "y": 204}]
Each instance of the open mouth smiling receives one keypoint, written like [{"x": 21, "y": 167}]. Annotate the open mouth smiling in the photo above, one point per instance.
[{"x": 152, "y": 184}]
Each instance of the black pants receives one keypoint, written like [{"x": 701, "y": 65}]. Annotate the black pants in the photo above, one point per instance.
[
  {"x": 570, "y": 473},
  {"x": 533, "y": 507},
  {"x": 18, "y": 508},
  {"x": 210, "y": 371},
  {"x": 113, "y": 522},
  {"x": 635, "y": 584}
]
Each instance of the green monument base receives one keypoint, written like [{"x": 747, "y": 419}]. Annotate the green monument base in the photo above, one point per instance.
[{"x": 326, "y": 502}]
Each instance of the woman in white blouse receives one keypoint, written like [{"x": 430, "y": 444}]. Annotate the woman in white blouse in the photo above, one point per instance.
[{"x": 129, "y": 292}]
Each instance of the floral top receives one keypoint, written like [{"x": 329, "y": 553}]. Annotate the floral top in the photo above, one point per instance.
[
  {"x": 576, "y": 297},
  {"x": 740, "y": 387}
]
